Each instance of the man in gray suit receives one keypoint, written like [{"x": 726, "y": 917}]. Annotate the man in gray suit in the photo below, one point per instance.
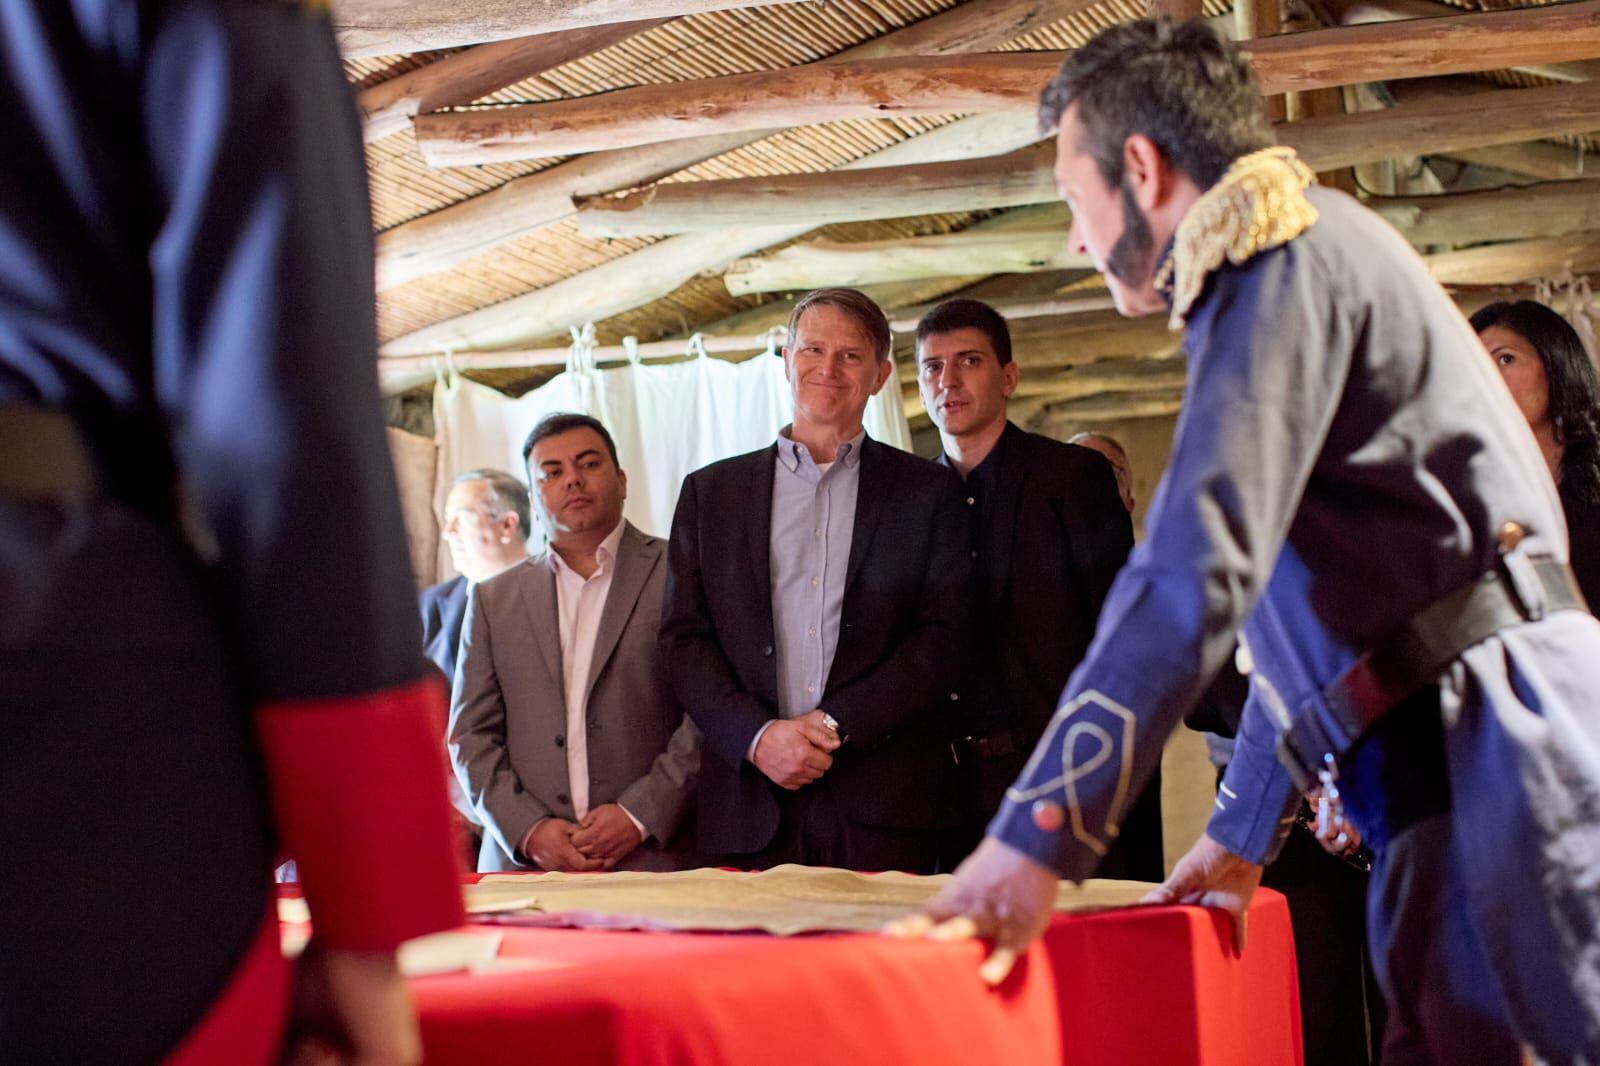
[{"x": 563, "y": 732}]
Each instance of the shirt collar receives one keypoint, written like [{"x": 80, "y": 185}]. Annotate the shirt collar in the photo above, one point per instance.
[
  {"x": 792, "y": 454},
  {"x": 604, "y": 555}
]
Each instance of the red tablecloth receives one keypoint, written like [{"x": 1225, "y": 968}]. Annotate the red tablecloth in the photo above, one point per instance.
[{"x": 1157, "y": 985}]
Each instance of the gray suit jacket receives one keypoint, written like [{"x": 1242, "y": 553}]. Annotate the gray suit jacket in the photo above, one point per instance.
[{"x": 508, "y": 712}]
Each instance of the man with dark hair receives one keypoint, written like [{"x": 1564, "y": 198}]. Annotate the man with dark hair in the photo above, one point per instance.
[
  {"x": 486, "y": 528},
  {"x": 816, "y": 619},
  {"x": 1047, "y": 534},
  {"x": 564, "y": 733},
  {"x": 1351, "y": 482}
]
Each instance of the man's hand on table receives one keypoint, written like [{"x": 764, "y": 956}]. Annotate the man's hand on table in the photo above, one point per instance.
[
  {"x": 1212, "y": 876},
  {"x": 998, "y": 893},
  {"x": 550, "y": 845},
  {"x": 351, "y": 1007},
  {"x": 797, "y": 751},
  {"x": 606, "y": 835}
]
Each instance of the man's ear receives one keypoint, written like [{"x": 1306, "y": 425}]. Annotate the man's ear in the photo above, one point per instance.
[
  {"x": 885, "y": 365},
  {"x": 1145, "y": 170},
  {"x": 1009, "y": 375}
]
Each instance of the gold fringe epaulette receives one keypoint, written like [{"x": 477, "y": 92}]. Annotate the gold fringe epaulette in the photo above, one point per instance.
[{"x": 1260, "y": 203}]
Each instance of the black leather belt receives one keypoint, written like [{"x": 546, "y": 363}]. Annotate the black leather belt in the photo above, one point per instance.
[
  {"x": 44, "y": 457},
  {"x": 969, "y": 751},
  {"x": 1520, "y": 589}
]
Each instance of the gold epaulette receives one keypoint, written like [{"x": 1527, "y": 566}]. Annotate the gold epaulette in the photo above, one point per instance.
[{"x": 1259, "y": 203}]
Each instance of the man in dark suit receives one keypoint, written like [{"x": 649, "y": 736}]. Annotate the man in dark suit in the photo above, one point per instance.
[
  {"x": 816, "y": 621},
  {"x": 486, "y": 528},
  {"x": 563, "y": 731},
  {"x": 1048, "y": 532}
]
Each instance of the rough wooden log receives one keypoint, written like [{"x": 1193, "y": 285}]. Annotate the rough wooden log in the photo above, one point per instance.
[
  {"x": 639, "y": 277},
  {"x": 1535, "y": 159},
  {"x": 389, "y": 106},
  {"x": 1437, "y": 125},
  {"x": 996, "y": 82},
  {"x": 1551, "y": 210},
  {"x": 809, "y": 266},
  {"x": 1113, "y": 407},
  {"x": 1254, "y": 19},
  {"x": 829, "y": 197},
  {"x": 391, "y": 27},
  {"x": 440, "y": 240},
  {"x": 1503, "y": 264}
]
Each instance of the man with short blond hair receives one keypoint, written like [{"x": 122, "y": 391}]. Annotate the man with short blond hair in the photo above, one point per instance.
[{"x": 816, "y": 618}]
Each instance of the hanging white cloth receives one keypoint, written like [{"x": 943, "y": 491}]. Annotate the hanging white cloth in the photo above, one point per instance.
[{"x": 668, "y": 420}]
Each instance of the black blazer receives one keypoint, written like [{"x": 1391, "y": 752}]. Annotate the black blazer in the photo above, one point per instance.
[
  {"x": 1060, "y": 535},
  {"x": 444, "y": 609},
  {"x": 901, "y": 654}
]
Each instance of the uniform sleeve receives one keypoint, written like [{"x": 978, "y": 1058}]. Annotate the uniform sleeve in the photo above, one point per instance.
[
  {"x": 1268, "y": 357},
  {"x": 263, "y": 359},
  {"x": 1255, "y": 803}
]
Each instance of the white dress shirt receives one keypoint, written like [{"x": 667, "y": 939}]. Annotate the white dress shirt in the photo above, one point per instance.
[{"x": 580, "y": 602}]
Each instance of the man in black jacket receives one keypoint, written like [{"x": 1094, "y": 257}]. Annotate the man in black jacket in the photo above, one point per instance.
[
  {"x": 1047, "y": 534},
  {"x": 816, "y": 618}
]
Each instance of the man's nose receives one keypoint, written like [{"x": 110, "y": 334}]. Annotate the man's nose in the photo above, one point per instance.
[
  {"x": 1075, "y": 242},
  {"x": 949, "y": 376}
]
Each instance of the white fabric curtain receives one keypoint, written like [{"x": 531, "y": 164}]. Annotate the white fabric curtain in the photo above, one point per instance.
[{"x": 668, "y": 421}]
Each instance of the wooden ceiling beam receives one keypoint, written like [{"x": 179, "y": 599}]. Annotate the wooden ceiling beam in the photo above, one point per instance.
[
  {"x": 441, "y": 240},
  {"x": 1551, "y": 210},
  {"x": 1438, "y": 124},
  {"x": 1517, "y": 261},
  {"x": 810, "y": 266},
  {"x": 639, "y": 277},
  {"x": 394, "y": 27},
  {"x": 388, "y": 107},
  {"x": 1534, "y": 159},
  {"x": 924, "y": 85}
]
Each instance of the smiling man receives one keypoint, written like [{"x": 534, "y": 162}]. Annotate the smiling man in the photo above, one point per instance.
[
  {"x": 1351, "y": 484},
  {"x": 816, "y": 618},
  {"x": 1047, "y": 533},
  {"x": 563, "y": 732}
]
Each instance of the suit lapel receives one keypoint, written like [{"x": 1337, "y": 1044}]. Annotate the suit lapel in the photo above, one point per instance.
[
  {"x": 538, "y": 587},
  {"x": 758, "y": 531},
  {"x": 871, "y": 490},
  {"x": 1008, "y": 498},
  {"x": 635, "y": 560}
]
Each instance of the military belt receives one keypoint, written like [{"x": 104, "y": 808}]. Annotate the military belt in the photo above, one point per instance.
[
  {"x": 1520, "y": 589},
  {"x": 43, "y": 456}
]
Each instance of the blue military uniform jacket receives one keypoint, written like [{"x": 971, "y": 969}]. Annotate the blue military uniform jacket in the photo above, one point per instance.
[{"x": 1344, "y": 457}]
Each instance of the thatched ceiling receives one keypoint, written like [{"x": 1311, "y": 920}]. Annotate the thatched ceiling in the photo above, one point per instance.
[{"x": 409, "y": 194}]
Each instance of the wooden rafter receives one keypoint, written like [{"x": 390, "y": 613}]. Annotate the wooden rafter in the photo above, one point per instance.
[
  {"x": 1435, "y": 125},
  {"x": 639, "y": 277},
  {"x": 388, "y": 107},
  {"x": 526, "y": 205},
  {"x": 924, "y": 85},
  {"x": 390, "y": 27}
]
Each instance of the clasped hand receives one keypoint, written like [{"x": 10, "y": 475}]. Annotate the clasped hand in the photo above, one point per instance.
[
  {"x": 797, "y": 751},
  {"x": 599, "y": 842}
]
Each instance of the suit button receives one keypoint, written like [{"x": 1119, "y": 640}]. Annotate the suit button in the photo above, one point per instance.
[
  {"x": 766, "y": 650},
  {"x": 561, "y": 741},
  {"x": 562, "y": 797},
  {"x": 954, "y": 696}
]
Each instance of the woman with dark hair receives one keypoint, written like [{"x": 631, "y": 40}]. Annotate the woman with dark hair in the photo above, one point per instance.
[{"x": 1554, "y": 385}]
